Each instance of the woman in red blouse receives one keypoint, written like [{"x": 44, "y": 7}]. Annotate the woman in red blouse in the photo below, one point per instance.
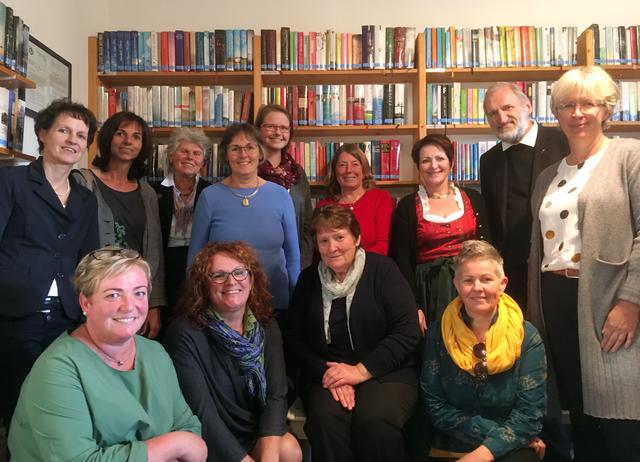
[
  {"x": 350, "y": 184},
  {"x": 429, "y": 226}
]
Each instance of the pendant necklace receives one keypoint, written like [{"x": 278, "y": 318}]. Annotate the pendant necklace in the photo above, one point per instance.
[
  {"x": 245, "y": 197},
  {"x": 107, "y": 356}
]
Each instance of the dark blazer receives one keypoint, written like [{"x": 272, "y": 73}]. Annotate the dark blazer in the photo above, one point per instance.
[
  {"x": 214, "y": 388},
  {"x": 551, "y": 146},
  {"x": 403, "y": 242},
  {"x": 41, "y": 240},
  {"x": 165, "y": 204},
  {"x": 383, "y": 321}
]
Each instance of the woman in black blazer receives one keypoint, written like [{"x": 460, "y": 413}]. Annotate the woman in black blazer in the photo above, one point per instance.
[
  {"x": 47, "y": 224},
  {"x": 177, "y": 196}
]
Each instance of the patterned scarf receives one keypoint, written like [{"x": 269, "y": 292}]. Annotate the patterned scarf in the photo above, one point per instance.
[
  {"x": 183, "y": 212},
  {"x": 247, "y": 350},
  {"x": 286, "y": 174},
  {"x": 503, "y": 341}
]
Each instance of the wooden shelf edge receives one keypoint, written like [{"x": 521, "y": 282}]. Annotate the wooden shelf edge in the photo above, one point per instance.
[
  {"x": 11, "y": 79},
  {"x": 6, "y": 154},
  {"x": 176, "y": 78},
  {"x": 494, "y": 74}
]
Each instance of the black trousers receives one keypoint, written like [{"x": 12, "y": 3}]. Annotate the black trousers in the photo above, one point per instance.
[
  {"x": 22, "y": 340},
  {"x": 371, "y": 432},
  {"x": 594, "y": 439}
]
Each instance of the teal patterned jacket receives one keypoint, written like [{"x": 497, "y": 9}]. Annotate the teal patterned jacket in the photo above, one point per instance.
[{"x": 502, "y": 413}]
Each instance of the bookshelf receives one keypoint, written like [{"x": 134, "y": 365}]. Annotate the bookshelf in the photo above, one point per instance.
[
  {"x": 416, "y": 79},
  {"x": 11, "y": 79}
]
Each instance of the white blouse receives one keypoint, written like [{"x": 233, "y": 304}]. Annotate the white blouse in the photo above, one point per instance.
[{"x": 559, "y": 214}]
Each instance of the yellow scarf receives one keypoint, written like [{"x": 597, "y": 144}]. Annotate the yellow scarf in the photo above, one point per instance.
[{"x": 503, "y": 341}]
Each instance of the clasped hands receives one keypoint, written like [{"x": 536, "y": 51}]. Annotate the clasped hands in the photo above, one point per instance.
[{"x": 340, "y": 379}]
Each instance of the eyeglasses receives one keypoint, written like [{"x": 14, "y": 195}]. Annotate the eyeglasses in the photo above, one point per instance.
[
  {"x": 104, "y": 253},
  {"x": 220, "y": 277},
  {"x": 236, "y": 149},
  {"x": 273, "y": 128},
  {"x": 480, "y": 369},
  {"x": 585, "y": 106}
]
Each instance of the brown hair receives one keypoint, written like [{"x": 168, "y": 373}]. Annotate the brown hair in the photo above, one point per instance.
[
  {"x": 441, "y": 141},
  {"x": 333, "y": 187},
  {"x": 333, "y": 217},
  {"x": 267, "y": 109},
  {"x": 195, "y": 304}
]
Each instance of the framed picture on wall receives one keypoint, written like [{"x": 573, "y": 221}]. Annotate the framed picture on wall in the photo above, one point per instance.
[{"x": 51, "y": 73}]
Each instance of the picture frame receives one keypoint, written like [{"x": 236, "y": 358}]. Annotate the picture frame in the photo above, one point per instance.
[{"x": 51, "y": 73}]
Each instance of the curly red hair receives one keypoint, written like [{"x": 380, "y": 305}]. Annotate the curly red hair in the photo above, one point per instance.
[{"x": 194, "y": 303}]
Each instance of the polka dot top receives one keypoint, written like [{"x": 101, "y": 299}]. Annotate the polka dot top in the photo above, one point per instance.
[{"x": 559, "y": 214}]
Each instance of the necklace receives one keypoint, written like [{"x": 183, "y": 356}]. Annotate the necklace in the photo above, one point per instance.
[
  {"x": 66, "y": 192},
  {"x": 439, "y": 196},
  {"x": 353, "y": 202},
  {"x": 245, "y": 197},
  {"x": 107, "y": 356}
]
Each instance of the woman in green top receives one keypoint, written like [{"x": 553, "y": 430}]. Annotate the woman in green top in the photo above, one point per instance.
[{"x": 100, "y": 392}]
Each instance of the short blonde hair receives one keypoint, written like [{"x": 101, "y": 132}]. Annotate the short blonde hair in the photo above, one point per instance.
[
  {"x": 479, "y": 250},
  {"x": 105, "y": 263},
  {"x": 590, "y": 80}
]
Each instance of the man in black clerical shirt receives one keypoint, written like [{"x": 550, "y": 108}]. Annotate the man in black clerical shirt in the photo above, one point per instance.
[{"x": 508, "y": 173}]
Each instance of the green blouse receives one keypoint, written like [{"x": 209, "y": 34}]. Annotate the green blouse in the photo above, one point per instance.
[
  {"x": 75, "y": 407},
  {"x": 503, "y": 412}
]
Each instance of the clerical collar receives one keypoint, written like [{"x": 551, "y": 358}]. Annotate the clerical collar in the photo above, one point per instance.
[{"x": 529, "y": 139}]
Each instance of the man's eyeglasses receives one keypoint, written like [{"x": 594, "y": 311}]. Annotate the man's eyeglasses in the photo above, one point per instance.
[
  {"x": 480, "y": 369},
  {"x": 236, "y": 149},
  {"x": 220, "y": 277},
  {"x": 273, "y": 128},
  {"x": 107, "y": 252}
]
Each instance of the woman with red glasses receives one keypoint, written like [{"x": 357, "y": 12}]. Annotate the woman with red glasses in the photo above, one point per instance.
[{"x": 484, "y": 369}]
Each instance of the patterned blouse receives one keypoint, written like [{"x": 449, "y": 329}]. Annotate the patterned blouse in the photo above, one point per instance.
[{"x": 504, "y": 412}]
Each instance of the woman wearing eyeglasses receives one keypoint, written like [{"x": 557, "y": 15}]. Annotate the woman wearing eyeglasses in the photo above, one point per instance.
[
  {"x": 274, "y": 123},
  {"x": 101, "y": 392},
  {"x": 245, "y": 207},
  {"x": 227, "y": 351},
  {"x": 484, "y": 369},
  {"x": 584, "y": 269}
]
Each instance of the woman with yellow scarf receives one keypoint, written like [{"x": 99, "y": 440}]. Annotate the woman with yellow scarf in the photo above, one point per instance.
[{"x": 484, "y": 369}]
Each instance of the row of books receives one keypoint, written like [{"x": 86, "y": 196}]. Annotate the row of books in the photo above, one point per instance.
[
  {"x": 179, "y": 106},
  {"x": 628, "y": 110},
  {"x": 500, "y": 46},
  {"x": 467, "y": 160},
  {"x": 179, "y": 51},
  {"x": 377, "y": 47},
  {"x": 616, "y": 44},
  {"x": 458, "y": 103},
  {"x": 331, "y": 105},
  {"x": 14, "y": 40},
  {"x": 12, "y": 112},
  {"x": 158, "y": 165}
]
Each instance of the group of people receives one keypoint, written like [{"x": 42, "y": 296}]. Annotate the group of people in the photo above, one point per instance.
[{"x": 382, "y": 315}]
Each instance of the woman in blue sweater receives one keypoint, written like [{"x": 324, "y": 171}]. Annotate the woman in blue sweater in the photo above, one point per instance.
[{"x": 245, "y": 207}]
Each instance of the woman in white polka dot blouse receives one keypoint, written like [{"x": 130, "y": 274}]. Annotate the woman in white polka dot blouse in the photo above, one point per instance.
[{"x": 584, "y": 270}]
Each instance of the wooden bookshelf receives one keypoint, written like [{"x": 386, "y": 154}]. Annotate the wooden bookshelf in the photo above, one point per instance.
[
  {"x": 144, "y": 79},
  {"x": 9, "y": 154},
  {"x": 11, "y": 79},
  {"x": 493, "y": 74},
  {"x": 270, "y": 78}
]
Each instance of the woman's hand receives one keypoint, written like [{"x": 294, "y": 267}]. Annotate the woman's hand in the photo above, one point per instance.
[
  {"x": 179, "y": 445},
  {"x": 151, "y": 326},
  {"x": 422, "y": 321},
  {"x": 480, "y": 454},
  {"x": 620, "y": 327},
  {"x": 345, "y": 395},
  {"x": 343, "y": 374},
  {"x": 538, "y": 447}
]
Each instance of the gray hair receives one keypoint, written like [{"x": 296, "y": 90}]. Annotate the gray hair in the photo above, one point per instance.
[
  {"x": 524, "y": 99},
  {"x": 191, "y": 135}
]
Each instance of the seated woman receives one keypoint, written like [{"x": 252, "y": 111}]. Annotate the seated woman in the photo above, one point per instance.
[
  {"x": 227, "y": 351},
  {"x": 484, "y": 368},
  {"x": 102, "y": 393},
  {"x": 354, "y": 332}
]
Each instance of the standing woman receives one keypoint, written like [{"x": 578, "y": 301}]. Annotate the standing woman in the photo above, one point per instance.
[
  {"x": 350, "y": 184},
  {"x": 429, "y": 226},
  {"x": 127, "y": 207},
  {"x": 274, "y": 123},
  {"x": 584, "y": 270},
  {"x": 245, "y": 207},
  {"x": 177, "y": 196},
  {"x": 47, "y": 223}
]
